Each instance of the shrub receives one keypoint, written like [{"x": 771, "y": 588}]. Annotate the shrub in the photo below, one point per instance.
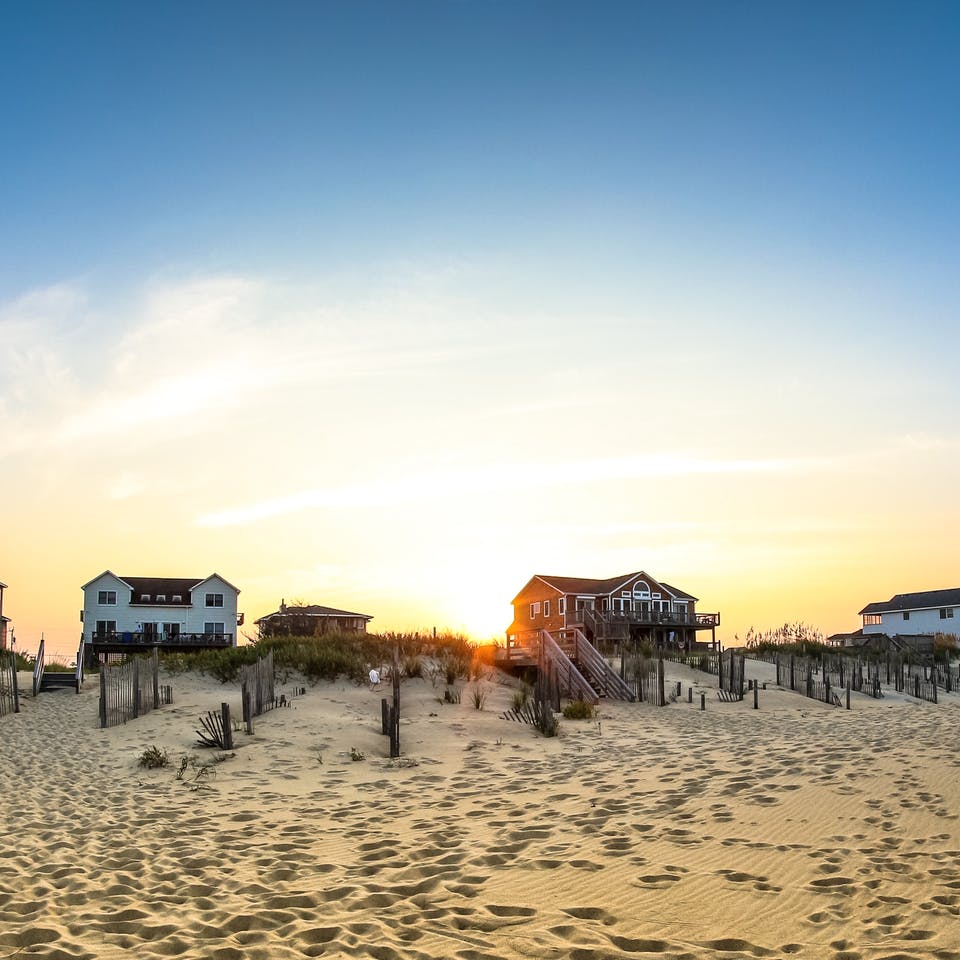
[
  {"x": 479, "y": 697},
  {"x": 520, "y": 698},
  {"x": 451, "y": 695},
  {"x": 578, "y": 710},
  {"x": 152, "y": 758},
  {"x": 412, "y": 666}
]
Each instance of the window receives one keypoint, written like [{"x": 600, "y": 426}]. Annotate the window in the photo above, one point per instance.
[
  {"x": 171, "y": 631},
  {"x": 624, "y": 593},
  {"x": 178, "y": 598},
  {"x": 214, "y": 599},
  {"x": 161, "y": 598},
  {"x": 144, "y": 597},
  {"x": 105, "y": 628},
  {"x": 906, "y": 614},
  {"x": 216, "y": 628},
  {"x": 107, "y": 597},
  {"x": 946, "y": 613},
  {"x": 546, "y": 608},
  {"x": 562, "y": 606},
  {"x": 872, "y": 619},
  {"x": 534, "y": 609}
]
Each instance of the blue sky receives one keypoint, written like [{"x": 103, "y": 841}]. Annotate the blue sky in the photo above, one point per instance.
[{"x": 457, "y": 237}]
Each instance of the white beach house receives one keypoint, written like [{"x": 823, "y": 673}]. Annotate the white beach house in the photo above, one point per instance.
[{"x": 124, "y": 613}]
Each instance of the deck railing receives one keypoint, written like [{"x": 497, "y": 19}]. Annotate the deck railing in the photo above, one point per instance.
[
  {"x": 163, "y": 639},
  {"x": 593, "y": 617}
]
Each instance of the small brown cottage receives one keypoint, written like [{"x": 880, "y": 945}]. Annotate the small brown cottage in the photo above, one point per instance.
[{"x": 311, "y": 621}]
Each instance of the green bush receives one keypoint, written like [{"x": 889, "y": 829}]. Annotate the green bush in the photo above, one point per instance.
[
  {"x": 578, "y": 710},
  {"x": 153, "y": 758},
  {"x": 520, "y": 698}
]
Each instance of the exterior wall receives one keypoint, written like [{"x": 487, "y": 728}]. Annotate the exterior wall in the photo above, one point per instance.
[
  {"x": 94, "y": 611},
  {"x": 199, "y": 613},
  {"x": 919, "y": 621},
  {"x": 536, "y": 592}
]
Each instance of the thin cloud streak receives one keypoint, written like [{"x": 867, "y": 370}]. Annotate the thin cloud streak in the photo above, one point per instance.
[{"x": 492, "y": 479}]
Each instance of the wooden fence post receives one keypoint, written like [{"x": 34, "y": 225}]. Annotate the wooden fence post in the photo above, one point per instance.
[
  {"x": 227, "y": 726},
  {"x": 756, "y": 695},
  {"x": 661, "y": 693},
  {"x": 703, "y": 701},
  {"x": 156, "y": 678},
  {"x": 385, "y": 717},
  {"x": 848, "y": 694},
  {"x": 16, "y": 692},
  {"x": 103, "y": 694},
  {"x": 136, "y": 688},
  {"x": 248, "y": 709}
]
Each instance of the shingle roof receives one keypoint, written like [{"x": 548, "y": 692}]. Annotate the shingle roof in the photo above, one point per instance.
[
  {"x": 924, "y": 600},
  {"x": 598, "y": 588},
  {"x": 166, "y": 586}
]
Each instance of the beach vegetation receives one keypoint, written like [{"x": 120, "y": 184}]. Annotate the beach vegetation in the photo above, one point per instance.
[
  {"x": 579, "y": 710},
  {"x": 412, "y": 666},
  {"x": 328, "y": 656},
  {"x": 520, "y": 698},
  {"x": 479, "y": 697},
  {"x": 452, "y": 695},
  {"x": 153, "y": 758},
  {"x": 357, "y": 755}
]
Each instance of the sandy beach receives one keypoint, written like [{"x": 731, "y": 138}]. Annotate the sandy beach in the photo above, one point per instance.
[{"x": 794, "y": 830}]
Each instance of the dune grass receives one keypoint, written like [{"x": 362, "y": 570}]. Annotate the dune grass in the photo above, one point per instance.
[{"x": 332, "y": 655}]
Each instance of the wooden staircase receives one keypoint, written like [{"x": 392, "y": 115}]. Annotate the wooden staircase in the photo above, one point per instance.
[
  {"x": 572, "y": 654},
  {"x": 44, "y": 679}
]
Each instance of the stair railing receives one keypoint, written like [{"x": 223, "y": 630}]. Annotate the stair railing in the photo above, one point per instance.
[
  {"x": 599, "y": 670},
  {"x": 38, "y": 668},
  {"x": 79, "y": 673},
  {"x": 577, "y": 685}
]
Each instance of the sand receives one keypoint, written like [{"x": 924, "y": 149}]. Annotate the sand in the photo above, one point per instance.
[{"x": 794, "y": 830}]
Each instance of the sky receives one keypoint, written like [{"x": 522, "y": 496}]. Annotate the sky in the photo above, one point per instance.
[{"x": 390, "y": 306}]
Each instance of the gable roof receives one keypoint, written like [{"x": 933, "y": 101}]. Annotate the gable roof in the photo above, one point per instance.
[
  {"x": 313, "y": 610},
  {"x": 924, "y": 600},
  {"x": 598, "y": 588}
]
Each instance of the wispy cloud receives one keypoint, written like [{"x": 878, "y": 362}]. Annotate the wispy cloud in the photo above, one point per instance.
[{"x": 491, "y": 478}]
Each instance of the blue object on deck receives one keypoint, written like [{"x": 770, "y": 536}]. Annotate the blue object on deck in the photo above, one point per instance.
[{"x": 126, "y": 636}]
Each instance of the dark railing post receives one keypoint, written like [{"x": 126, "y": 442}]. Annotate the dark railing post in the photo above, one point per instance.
[
  {"x": 103, "y": 695},
  {"x": 227, "y": 726},
  {"x": 16, "y": 692},
  {"x": 156, "y": 678}
]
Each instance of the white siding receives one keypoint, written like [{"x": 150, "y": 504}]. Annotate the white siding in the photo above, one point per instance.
[{"x": 921, "y": 621}]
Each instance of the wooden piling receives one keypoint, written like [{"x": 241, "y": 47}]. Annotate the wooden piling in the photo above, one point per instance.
[{"x": 227, "y": 726}]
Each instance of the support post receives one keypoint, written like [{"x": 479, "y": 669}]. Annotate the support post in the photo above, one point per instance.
[
  {"x": 227, "y": 726},
  {"x": 136, "y": 688},
  {"x": 156, "y": 678},
  {"x": 756, "y": 696},
  {"x": 103, "y": 695},
  {"x": 16, "y": 692},
  {"x": 848, "y": 694}
]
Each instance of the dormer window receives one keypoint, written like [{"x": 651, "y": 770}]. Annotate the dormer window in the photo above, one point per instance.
[
  {"x": 178, "y": 598},
  {"x": 144, "y": 597},
  {"x": 161, "y": 598}
]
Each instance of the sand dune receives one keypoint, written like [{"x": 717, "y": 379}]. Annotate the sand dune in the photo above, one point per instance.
[{"x": 795, "y": 830}]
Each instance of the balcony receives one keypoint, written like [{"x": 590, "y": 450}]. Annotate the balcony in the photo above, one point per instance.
[
  {"x": 128, "y": 638},
  {"x": 641, "y": 618}
]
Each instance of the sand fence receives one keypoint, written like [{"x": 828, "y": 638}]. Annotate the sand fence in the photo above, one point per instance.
[
  {"x": 131, "y": 689},
  {"x": 9, "y": 694}
]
